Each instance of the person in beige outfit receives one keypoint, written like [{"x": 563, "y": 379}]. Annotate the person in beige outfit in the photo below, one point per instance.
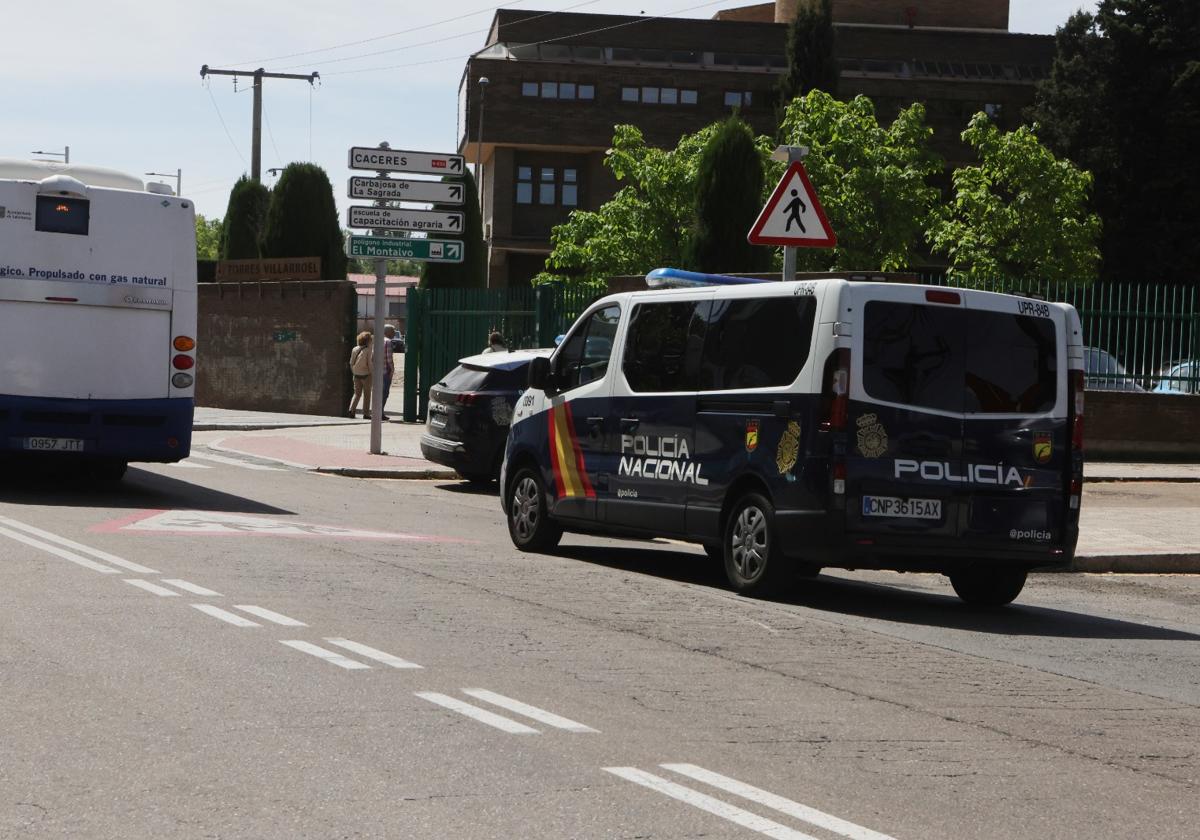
[{"x": 361, "y": 360}]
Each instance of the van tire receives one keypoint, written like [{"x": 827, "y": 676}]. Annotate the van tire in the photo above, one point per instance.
[
  {"x": 754, "y": 563},
  {"x": 988, "y": 587},
  {"x": 529, "y": 523}
]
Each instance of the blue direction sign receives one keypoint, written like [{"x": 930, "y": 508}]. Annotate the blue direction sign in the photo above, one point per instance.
[
  {"x": 406, "y": 189},
  {"x": 392, "y": 218},
  {"x": 395, "y": 248}
]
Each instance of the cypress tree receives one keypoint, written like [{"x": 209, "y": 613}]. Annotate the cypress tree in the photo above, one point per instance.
[
  {"x": 729, "y": 189},
  {"x": 302, "y": 220},
  {"x": 811, "y": 64},
  {"x": 245, "y": 217},
  {"x": 471, "y": 272}
]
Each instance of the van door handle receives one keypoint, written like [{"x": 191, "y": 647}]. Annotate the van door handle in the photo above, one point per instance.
[{"x": 629, "y": 424}]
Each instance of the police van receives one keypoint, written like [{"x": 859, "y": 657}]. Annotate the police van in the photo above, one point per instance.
[{"x": 790, "y": 426}]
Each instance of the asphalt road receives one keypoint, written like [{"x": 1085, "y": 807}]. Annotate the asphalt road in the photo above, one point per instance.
[{"x": 258, "y": 653}]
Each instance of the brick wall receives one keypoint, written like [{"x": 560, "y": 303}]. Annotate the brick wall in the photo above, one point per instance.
[
  {"x": 1150, "y": 427},
  {"x": 275, "y": 346}
]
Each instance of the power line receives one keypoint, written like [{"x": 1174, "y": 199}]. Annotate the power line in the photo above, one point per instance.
[
  {"x": 536, "y": 43},
  {"x": 271, "y": 134},
  {"x": 208, "y": 87}
]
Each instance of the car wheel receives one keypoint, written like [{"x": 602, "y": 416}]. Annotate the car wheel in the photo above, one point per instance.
[
  {"x": 753, "y": 562},
  {"x": 529, "y": 522},
  {"x": 988, "y": 587}
]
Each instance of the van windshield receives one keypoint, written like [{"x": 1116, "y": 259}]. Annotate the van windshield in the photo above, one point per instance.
[{"x": 951, "y": 359}]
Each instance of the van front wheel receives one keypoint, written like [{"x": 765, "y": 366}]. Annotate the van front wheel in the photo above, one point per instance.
[
  {"x": 529, "y": 522},
  {"x": 988, "y": 587},
  {"x": 753, "y": 562}
]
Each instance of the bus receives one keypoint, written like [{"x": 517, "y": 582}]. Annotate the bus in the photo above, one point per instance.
[{"x": 97, "y": 317}]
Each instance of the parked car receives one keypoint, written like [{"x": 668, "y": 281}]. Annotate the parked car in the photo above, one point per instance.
[
  {"x": 398, "y": 344},
  {"x": 1103, "y": 372},
  {"x": 1178, "y": 378},
  {"x": 470, "y": 410}
]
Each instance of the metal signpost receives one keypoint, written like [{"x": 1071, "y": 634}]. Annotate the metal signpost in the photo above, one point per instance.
[
  {"x": 381, "y": 218},
  {"x": 794, "y": 202}
]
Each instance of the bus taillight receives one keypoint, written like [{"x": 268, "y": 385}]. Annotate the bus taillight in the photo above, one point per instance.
[
  {"x": 182, "y": 362},
  {"x": 184, "y": 343}
]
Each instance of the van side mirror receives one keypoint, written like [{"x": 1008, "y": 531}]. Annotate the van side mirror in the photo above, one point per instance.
[{"x": 539, "y": 373}]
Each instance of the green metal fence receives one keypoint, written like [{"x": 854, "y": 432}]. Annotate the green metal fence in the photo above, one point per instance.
[
  {"x": 1139, "y": 336},
  {"x": 444, "y": 325}
]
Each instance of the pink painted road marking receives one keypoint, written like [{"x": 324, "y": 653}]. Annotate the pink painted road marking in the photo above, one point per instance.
[
  {"x": 218, "y": 524},
  {"x": 316, "y": 455}
]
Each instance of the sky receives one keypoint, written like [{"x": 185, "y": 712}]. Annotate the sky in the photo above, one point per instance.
[{"x": 119, "y": 81}]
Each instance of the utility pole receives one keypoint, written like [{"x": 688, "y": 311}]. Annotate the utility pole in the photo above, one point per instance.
[{"x": 259, "y": 75}]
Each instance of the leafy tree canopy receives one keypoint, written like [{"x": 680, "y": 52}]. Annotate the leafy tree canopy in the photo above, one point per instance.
[
  {"x": 471, "y": 273},
  {"x": 208, "y": 238},
  {"x": 1020, "y": 213},
  {"x": 872, "y": 181},
  {"x": 245, "y": 218},
  {"x": 302, "y": 220},
  {"x": 811, "y": 64}
]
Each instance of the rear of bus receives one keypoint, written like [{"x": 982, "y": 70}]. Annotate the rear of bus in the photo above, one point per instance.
[
  {"x": 97, "y": 318},
  {"x": 957, "y": 425}
]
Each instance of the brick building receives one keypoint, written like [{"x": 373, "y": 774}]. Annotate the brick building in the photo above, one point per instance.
[{"x": 557, "y": 83}]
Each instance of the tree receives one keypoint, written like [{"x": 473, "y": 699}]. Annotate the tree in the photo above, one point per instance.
[
  {"x": 302, "y": 220},
  {"x": 729, "y": 190},
  {"x": 245, "y": 217},
  {"x": 873, "y": 182},
  {"x": 1020, "y": 214},
  {"x": 1123, "y": 101},
  {"x": 208, "y": 238},
  {"x": 471, "y": 273},
  {"x": 810, "y": 53}
]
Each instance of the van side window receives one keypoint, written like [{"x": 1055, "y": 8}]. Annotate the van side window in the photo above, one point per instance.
[
  {"x": 756, "y": 342},
  {"x": 584, "y": 356},
  {"x": 662, "y": 350},
  {"x": 913, "y": 354}
]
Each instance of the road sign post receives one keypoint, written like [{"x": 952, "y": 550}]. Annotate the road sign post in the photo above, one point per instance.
[{"x": 793, "y": 216}]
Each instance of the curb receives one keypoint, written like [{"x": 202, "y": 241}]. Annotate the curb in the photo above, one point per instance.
[
  {"x": 1135, "y": 564},
  {"x": 385, "y": 472},
  {"x": 260, "y": 427},
  {"x": 1132, "y": 479}
]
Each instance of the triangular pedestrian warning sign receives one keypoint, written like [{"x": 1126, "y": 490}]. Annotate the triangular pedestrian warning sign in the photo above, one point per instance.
[{"x": 793, "y": 215}]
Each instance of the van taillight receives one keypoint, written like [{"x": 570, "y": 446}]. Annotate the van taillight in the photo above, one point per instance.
[
  {"x": 468, "y": 398},
  {"x": 1076, "y": 380},
  {"x": 836, "y": 396}
]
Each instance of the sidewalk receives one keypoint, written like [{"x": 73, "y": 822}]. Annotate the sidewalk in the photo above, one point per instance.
[{"x": 1160, "y": 534}]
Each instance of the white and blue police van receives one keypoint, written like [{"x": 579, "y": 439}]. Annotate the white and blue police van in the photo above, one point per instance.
[{"x": 791, "y": 426}]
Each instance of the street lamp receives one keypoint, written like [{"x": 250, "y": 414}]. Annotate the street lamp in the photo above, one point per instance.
[
  {"x": 65, "y": 154},
  {"x": 178, "y": 176},
  {"x": 487, "y": 259}
]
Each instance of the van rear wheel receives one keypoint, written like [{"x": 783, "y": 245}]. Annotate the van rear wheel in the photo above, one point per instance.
[
  {"x": 988, "y": 587},
  {"x": 754, "y": 563},
  {"x": 529, "y": 523}
]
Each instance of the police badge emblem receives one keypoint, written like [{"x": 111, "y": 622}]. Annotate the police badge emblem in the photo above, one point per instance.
[
  {"x": 751, "y": 435},
  {"x": 1043, "y": 446},
  {"x": 789, "y": 448},
  {"x": 872, "y": 437}
]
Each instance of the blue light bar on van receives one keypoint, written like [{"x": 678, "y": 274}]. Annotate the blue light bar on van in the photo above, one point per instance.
[{"x": 677, "y": 278}]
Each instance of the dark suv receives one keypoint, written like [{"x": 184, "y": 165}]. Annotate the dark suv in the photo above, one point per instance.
[{"x": 470, "y": 411}]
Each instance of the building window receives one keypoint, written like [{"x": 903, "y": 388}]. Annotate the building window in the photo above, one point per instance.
[
  {"x": 661, "y": 96},
  {"x": 570, "y": 189},
  {"x": 549, "y": 90},
  {"x": 546, "y": 186},
  {"x": 566, "y": 90},
  {"x": 688, "y": 97},
  {"x": 670, "y": 96},
  {"x": 587, "y": 91},
  {"x": 529, "y": 88},
  {"x": 994, "y": 110},
  {"x": 650, "y": 95},
  {"x": 524, "y": 185},
  {"x": 738, "y": 98},
  {"x": 629, "y": 94}
]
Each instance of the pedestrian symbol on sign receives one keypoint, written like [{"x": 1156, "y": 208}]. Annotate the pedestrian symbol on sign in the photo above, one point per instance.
[{"x": 794, "y": 208}]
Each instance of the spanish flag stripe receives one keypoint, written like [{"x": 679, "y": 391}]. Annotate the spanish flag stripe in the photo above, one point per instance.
[
  {"x": 554, "y": 459},
  {"x": 566, "y": 455},
  {"x": 580, "y": 467}
]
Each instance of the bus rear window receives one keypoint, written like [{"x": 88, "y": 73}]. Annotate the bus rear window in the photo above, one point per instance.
[{"x": 62, "y": 215}]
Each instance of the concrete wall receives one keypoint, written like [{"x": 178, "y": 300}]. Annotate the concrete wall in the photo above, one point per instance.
[
  {"x": 1141, "y": 427},
  {"x": 276, "y": 346}
]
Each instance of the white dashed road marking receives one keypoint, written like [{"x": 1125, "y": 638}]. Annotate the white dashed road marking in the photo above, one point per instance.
[
  {"x": 269, "y": 615},
  {"x": 187, "y": 465},
  {"x": 191, "y": 587},
  {"x": 161, "y": 591},
  {"x": 233, "y": 462},
  {"x": 225, "y": 615},
  {"x": 704, "y": 802},
  {"x": 75, "y": 549},
  {"x": 327, "y": 655},
  {"x": 778, "y": 803},
  {"x": 524, "y": 709},
  {"x": 372, "y": 653},
  {"x": 481, "y": 715}
]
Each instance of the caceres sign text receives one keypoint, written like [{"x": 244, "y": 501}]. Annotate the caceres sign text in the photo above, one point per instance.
[{"x": 396, "y": 160}]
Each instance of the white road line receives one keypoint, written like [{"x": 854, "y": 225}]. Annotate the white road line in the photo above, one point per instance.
[
  {"x": 79, "y": 547},
  {"x": 191, "y": 587},
  {"x": 481, "y": 715},
  {"x": 270, "y": 616},
  {"x": 225, "y": 615},
  {"x": 372, "y": 653},
  {"x": 161, "y": 591},
  {"x": 707, "y": 803},
  {"x": 786, "y": 806},
  {"x": 187, "y": 465},
  {"x": 327, "y": 655},
  {"x": 58, "y": 552},
  {"x": 233, "y": 462},
  {"x": 540, "y": 715}
]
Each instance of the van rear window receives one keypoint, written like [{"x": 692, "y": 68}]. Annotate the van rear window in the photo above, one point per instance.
[{"x": 951, "y": 359}]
